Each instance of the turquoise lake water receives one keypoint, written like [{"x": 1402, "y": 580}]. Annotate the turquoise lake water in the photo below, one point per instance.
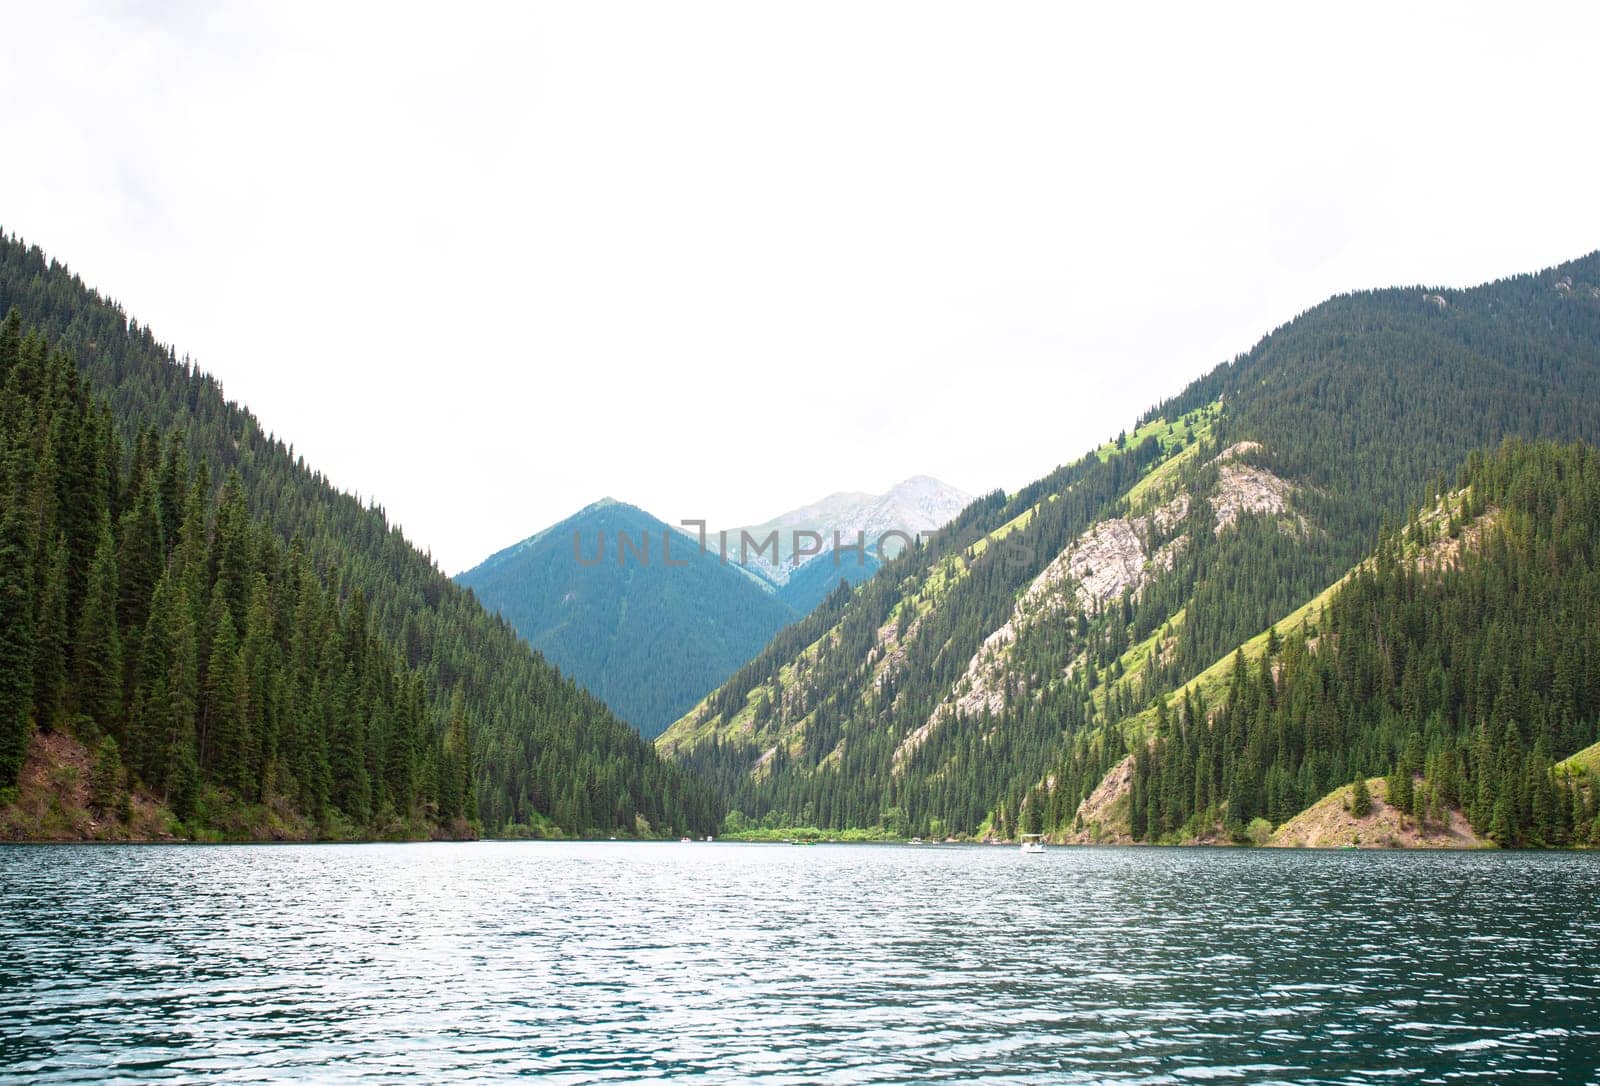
[{"x": 723, "y": 962}]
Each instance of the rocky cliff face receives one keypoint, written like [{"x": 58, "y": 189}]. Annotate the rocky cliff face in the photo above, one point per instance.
[
  {"x": 1115, "y": 556},
  {"x": 1242, "y": 488}
]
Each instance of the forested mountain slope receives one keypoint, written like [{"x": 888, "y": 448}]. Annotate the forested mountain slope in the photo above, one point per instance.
[
  {"x": 646, "y": 630},
  {"x": 545, "y": 753},
  {"x": 1461, "y": 661},
  {"x": 942, "y": 694},
  {"x": 147, "y": 615}
]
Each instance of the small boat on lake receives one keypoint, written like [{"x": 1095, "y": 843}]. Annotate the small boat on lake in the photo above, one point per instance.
[
  {"x": 915, "y": 841},
  {"x": 1033, "y": 842}
]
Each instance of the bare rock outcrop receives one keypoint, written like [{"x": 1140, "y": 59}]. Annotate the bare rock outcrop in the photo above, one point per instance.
[
  {"x": 1244, "y": 489},
  {"x": 1112, "y": 557}
]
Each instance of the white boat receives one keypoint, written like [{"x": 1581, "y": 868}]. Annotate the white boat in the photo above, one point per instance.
[
  {"x": 915, "y": 841},
  {"x": 1033, "y": 842}
]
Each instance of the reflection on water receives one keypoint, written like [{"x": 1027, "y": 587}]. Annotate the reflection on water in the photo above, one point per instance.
[{"x": 577, "y": 962}]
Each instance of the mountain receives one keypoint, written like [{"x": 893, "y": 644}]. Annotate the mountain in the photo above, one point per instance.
[
  {"x": 1461, "y": 659},
  {"x": 278, "y": 639},
  {"x": 153, "y": 617},
  {"x": 1004, "y": 673},
  {"x": 916, "y": 506},
  {"x": 651, "y": 638},
  {"x": 645, "y": 634}
]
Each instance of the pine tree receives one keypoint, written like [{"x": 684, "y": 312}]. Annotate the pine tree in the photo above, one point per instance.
[
  {"x": 107, "y": 781},
  {"x": 50, "y": 639},
  {"x": 346, "y": 752},
  {"x": 455, "y": 768},
  {"x": 10, "y": 342},
  {"x": 97, "y": 652},
  {"x": 1032, "y": 816},
  {"x": 168, "y": 698},
  {"x": 1399, "y": 792},
  {"x": 1500, "y": 821},
  {"x": 140, "y": 558},
  {"x": 1360, "y": 797},
  {"x": 400, "y": 752},
  {"x": 263, "y": 671},
  {"x": 231, "y": 547},
  {"x": 16, "y": 617},
  {"x": 224, "y": 744},
  {"x": 170, "y": 483}
]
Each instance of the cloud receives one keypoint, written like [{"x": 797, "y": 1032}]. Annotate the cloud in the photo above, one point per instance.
[{"x": 488, "y": 264}]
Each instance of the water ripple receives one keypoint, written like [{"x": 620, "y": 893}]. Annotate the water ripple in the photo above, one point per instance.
[{"x": 639, "y": 962}]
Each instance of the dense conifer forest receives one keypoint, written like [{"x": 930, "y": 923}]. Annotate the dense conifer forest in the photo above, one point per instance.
[
  {"x": 1462, "y": 679},
  {"x": 147, "y": 614},
  {"x": 272, "y": 638},
  {"x": 1238, "y": 501}
]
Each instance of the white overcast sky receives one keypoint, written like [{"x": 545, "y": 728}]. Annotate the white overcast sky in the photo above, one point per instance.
[{"x": 485, "y": 264}]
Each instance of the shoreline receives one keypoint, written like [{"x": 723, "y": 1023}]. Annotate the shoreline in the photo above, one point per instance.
[{"x": 731, "y": 840}]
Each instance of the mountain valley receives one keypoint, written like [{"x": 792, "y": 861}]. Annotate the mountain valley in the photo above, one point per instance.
[{"x": 651, "y": 632}]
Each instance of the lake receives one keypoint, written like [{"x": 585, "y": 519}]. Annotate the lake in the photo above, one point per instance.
[{"x": 728, "y": 962}]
